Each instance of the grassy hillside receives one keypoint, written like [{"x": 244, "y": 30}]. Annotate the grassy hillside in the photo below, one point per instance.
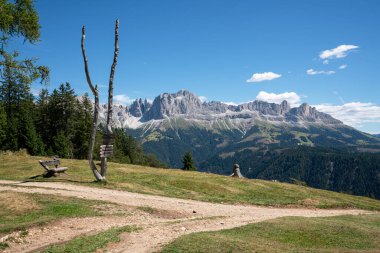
[
  {"x": 19, "y": 211},
  {"x": 188, "y": 185},
  {"x": 289, "y": 234}
]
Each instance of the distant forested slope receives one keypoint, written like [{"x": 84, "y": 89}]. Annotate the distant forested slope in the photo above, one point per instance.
[{"x": 338, "y": 170}]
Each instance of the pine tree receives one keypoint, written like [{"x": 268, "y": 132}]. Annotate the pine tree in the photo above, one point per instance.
[
  {"x": 19, "y": 19},
  {"x": 82, "y": 125},
  {"x": 42, "y": 117},
  {"x": 3, "y": 126},
  {"x": 28, "y": 136},
  {"x": 60, "y": 120},
  {"x": 187, "y": 161}
]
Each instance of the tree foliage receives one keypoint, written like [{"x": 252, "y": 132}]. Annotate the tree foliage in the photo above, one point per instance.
[
  {"x": 128, "y": 150},
  {"x": 188, "y": 163},
  {"x": 19, "y": 18}
]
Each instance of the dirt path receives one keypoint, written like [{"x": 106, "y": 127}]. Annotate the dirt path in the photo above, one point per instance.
[{"x": 191, "y": 216}]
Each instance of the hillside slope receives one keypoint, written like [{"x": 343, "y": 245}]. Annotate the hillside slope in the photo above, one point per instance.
[{"x": 188, "y": 185}]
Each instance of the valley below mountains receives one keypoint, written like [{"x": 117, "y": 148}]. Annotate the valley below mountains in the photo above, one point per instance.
[{"x": 268, "y": 140}]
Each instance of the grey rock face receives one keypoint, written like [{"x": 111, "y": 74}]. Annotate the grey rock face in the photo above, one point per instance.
[
  {"x": 139, "y": 107},
  {"x": 182, "y": 102},
  {"x": 265, "y": 108},
  {"x": 187, "y": 105},
  {"x": 216, "y": 107},
  {"x": 307, "y": 113}
]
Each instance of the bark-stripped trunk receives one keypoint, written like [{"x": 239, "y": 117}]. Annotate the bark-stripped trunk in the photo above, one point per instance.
[
  {"x": 109, "y": 132},
  {"x": 110, "y": 86},
  {"x": 91, "y": 162}
]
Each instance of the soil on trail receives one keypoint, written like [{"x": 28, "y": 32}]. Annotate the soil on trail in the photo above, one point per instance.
[{"x": 170, "y": 219}]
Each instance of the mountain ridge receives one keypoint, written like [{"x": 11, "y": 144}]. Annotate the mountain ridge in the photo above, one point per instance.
[
  {"x": 175, "y": 123},
  {"x": 187, "y": 105}
]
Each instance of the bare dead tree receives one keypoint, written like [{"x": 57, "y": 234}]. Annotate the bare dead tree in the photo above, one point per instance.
[
  {"x": 110, "y": 86},
  {"x": 95, "y": 92},
  {"x": 102, "y": 175},
  {"x": 109, "y": 132}
]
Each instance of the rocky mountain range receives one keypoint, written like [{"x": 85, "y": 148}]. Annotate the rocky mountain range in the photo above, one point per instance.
[
  {"x": 186, "y": 105},
  {"x": 178, "y": 122}
]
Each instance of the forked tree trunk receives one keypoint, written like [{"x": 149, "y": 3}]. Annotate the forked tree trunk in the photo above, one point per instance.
[
  {"x": 103, "y": 171},
  {"x": 95, "y": 92}
]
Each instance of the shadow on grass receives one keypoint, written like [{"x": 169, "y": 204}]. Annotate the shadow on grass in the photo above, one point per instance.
[{"x": 39, "y": 178}]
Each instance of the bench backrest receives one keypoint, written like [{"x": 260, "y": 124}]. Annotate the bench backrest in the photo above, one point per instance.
[{"x": 51, "y": 162}]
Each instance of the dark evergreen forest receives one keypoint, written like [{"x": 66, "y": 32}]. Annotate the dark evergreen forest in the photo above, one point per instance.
[
  {"x": 325, "y": 168},
  {"x": 58, "y": 124}
]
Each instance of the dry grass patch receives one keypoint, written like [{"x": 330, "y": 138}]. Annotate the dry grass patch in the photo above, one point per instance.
[
  {"x": 161, "y": 213},
  {"x": 19, "y": 211},
  {"x": 310, "y": 202},
  {"x": 17, "y": 203}
]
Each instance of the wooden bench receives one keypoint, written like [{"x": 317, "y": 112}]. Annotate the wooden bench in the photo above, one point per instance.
[{"x": 52, "y": 171}]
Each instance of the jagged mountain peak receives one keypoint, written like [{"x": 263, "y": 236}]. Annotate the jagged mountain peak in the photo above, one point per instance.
[
  {"x": 169, "y": 104},
  {"x": 186, "y": 104},
  {"x": 139, "y": 107}
]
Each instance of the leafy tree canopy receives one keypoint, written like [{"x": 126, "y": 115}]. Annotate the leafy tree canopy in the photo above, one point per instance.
[{"x": 19, "y": 18}]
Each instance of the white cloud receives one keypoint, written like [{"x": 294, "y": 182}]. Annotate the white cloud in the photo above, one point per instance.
[
  {"x": 202, "y": 98},
  {"x": 325, "y": 62},
  {"x": 232, "y": 103},
  {"x": 338, "y": 52},
  {"x": 266, "y": 76},
  {"x": 320, "y": 72},
  {"x": 343, "y": 66},
  {"x": 123, "y": 99},
  {"x": 354, "y": 113},
  {"x": 293, "y": 98}
]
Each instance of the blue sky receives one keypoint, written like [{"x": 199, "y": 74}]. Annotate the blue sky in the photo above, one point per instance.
[{"x": 213, "y": 47}]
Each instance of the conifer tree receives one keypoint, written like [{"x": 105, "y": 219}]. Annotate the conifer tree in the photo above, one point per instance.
[
  {"x": 3, "y": 126},
  {"x": 18, "y": 19},
  {"x": 82, "y": 126},
  {"x": 187, "y": 161}
]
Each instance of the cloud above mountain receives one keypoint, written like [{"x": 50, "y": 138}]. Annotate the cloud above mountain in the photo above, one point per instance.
[
  {"x": 293, "y": 98},
  {"x": 123, "y": 99},
  {"x": 202, "y": 98},
  {"x": 338, "y": 52},
  {"x": 260, "y": 77},
  {"x": 319, "y": 72},
  {"x": 354, "y": 113}
]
